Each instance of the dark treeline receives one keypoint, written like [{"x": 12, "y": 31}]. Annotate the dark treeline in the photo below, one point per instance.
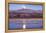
[{"x": 25, "y": 15}]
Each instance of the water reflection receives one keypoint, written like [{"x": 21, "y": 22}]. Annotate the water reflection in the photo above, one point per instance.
[{"x": 29, "y": 23}]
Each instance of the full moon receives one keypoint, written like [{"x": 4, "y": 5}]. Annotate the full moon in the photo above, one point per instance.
[{"x": 24, "y": 6}]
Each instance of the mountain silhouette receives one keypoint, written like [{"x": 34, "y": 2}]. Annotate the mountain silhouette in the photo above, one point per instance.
[{"x": 26, "y": 11}]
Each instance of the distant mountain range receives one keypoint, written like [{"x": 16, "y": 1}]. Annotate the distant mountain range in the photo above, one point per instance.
[{"x": 26, "y": 11}]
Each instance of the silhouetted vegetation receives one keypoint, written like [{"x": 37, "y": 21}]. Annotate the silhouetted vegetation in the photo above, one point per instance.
[{"x": 25, "y": 15}]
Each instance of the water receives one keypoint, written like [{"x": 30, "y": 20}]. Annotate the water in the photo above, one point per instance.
[{"x": 29, "y": 23}]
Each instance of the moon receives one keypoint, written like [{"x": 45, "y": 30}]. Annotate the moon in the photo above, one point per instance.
[{"x": 24, "y": 6}]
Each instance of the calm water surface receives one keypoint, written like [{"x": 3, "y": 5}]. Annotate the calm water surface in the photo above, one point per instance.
[{"x": 30, "y": 23}]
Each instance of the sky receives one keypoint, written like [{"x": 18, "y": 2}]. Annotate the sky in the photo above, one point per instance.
[{"x": 20, "y": 6}]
